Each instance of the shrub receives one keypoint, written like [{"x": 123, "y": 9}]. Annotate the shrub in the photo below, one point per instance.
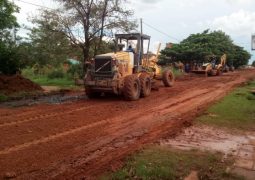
[
  {"x": 251, "y": 97},
  {"x": 253, "y": 64},
  {"x": 28, "y": 73},
  {"x": 3, "y": 98},
  {"x": 9, "y": 60},
  {"x": 76, "y": 71}
]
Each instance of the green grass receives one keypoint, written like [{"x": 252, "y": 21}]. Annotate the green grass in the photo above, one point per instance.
[
  {"x": 61, "y": 82},
  {"x": 174, "y": 70},
  {"x": 177, "y": 72},
  {"x": 44, "y": 80},
  {"x": 164, "y": 163},
  {"x": 237, "y": 110}
]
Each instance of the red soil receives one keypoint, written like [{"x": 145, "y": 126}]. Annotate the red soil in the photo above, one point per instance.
[
  {"x": 17, "y": 83},
  {"x": 84, "y": 139}
]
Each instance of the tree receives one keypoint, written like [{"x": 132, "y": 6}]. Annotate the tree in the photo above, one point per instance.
[
  {"x": 46, "y": 46},
  {"x": 253, "y": 64},
  {"x": 9, "y": 58},
  {"x": 8, "y": 20},
  {"x": 85, "y": 22},
  {"x": 198, "y": 47}
]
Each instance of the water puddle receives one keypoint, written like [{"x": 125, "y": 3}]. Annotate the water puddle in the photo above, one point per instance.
[
  {"x": 210, "y": 139},
  {"x": 47, "y": 99}
]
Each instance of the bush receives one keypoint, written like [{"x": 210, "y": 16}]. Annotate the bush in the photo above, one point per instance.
[
  {"x": 76, "y": 71},
  {"x": 56, "y": 74},
  {"x": 28, "y": 73},
  {"x": 251, "y": 97},
  {"x": 9, "y": 59},
  {"x": 3, "y": 98},
  {"x": 253, "y": 64}
]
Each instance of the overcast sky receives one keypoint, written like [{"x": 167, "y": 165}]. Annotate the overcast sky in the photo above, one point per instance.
[{"x": 180, "y": 18}]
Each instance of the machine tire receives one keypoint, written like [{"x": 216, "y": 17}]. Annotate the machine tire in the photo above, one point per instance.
[
  {"x": 168, "y": 78},
  {"x": 92, "y": 94},
  {"x": 232, "y": 68},
  {"x": 219, "y": 72},
  {"x": 145, "y": 81},
  {"x": 132, "y": 88},
  {"x": 210, "y": 73},
  {"x": 227, "y": 69}
]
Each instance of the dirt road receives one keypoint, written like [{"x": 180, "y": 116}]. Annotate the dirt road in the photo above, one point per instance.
[{"x": 84, "y": 138}]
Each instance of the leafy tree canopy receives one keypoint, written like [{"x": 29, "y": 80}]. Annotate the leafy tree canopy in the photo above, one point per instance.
[
  {"x": 198, "y": 47},
  {"x": 9, "y": 58},
  {"x": 85, "y": 22},
  {"x": 46, "y": 46},
  {"x": 253, "y": 64},
  {"x": 7, "y": 19}
]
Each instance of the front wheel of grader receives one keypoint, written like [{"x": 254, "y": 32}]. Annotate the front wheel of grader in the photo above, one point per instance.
[
  {"x": 145, "y": 81},
  {"x": 132, "y": 88},
  {"x": 168, "y": 78},
  {"x": 219, "y": 72}
]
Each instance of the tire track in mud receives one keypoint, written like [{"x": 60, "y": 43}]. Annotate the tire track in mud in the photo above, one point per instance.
[
  {"x": 91, "y": 165},
  {"x": 23, "y": 112},
  {"x": 93, "y": 125},
  {"x": 125, "y": 130},
  {"x": 43, "y": 116},
  {"x": 89, "y": 149},
  {"x": 50, "y": 138}
]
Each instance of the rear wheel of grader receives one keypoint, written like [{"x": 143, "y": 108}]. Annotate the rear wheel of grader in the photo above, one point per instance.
[
  {"x": 145, "y": 81},
  {"x": 132, "y": 88},
  {"x": 168, "y": 78}
]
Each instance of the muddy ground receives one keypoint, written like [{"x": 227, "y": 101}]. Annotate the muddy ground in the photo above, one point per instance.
[{"x": 83, "y": 139}]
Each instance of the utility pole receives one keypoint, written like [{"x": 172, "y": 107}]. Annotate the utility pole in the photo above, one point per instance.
[
  {"x": 141, "y": 24},
  {"x": 253, "y": 42}
]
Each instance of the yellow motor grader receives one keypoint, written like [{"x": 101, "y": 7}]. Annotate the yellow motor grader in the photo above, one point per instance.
[
  {"x": 213, "y": 69},
  {"x": 129, "y": 73}
]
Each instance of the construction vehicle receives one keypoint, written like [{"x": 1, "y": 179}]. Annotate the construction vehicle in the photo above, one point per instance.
[
  {"x": 232, "y": 68},
  {"x": 127, "y": 73},
  {"x": 211, "y": 68}
]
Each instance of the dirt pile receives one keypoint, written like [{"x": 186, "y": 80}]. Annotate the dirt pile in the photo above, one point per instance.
[{"x": 17, "y": 83}]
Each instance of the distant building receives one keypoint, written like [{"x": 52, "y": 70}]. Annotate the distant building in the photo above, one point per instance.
[
  {"x": 73, "y": 61},
  {"x": 169, "y": 45},
  {"x": 253, "y": 42}
]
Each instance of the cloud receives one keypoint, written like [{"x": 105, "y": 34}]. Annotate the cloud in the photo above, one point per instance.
[
  {"x": 239, "y": 1},
  {"x": 151, "y": 1},
  {"x": 240, "y": 23}
]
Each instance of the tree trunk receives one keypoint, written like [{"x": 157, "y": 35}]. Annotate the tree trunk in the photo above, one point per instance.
[
  {"x": 102, "y": 27},
  {"x": 85, "y": 59}
]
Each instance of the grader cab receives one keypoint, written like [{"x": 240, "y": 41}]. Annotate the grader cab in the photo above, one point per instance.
[{"x": 124, "y": 72}]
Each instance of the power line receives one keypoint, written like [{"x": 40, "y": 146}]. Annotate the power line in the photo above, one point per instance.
[
  {"x": 34, "y": 4},
  {"x": 152, "y": 27}
]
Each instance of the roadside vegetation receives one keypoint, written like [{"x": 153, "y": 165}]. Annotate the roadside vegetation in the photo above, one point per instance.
[
  {"x": 165, "y": 163},
  {"x": 235, "y": 111},
  {"x": 3, "y": 97},
  {"x": 198, "y": 48},
  {"x": 177, "y": 73},
  {"x": 60, "y": 76}
]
